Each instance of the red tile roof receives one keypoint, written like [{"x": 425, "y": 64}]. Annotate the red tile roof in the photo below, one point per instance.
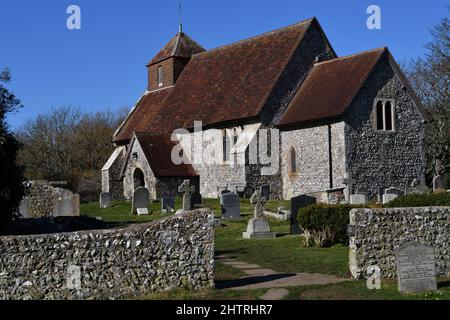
[
  {"x": 158, "y": 150},
  {"x": 180, "y": 46},
  {"x": 142, "y": 115},
  {"x": 230, "y": 82},
  {"x": 330, "y": 88}
]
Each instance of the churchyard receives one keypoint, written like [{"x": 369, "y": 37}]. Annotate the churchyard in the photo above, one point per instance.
[{"x": 286, "y": 254}]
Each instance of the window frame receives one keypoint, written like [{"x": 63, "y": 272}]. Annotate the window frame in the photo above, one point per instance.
[
  {"x": 160, "y": 76},
  {"x": 293, "y": 150},
  {"x": 393, "y": 113}
]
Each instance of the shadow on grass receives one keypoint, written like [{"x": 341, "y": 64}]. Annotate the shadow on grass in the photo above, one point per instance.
[
  {"x": 227, "y": 284},
  {"x": 444, "y": 284}
]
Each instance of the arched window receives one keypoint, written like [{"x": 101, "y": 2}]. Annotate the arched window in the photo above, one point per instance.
[
  {"x": 384, "y": 115},
  {"x": 160, "y": 76},
  {"x": 293, "y": 161},
  {"x": 226, "y": 143},
  {"x": 138, "y": 177}
]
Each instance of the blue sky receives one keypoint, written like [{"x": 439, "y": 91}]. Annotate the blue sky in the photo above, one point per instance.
[{"x": 102, "y": 66}]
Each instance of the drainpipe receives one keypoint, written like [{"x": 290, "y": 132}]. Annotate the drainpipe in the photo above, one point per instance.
[{"x": 330, "y": 157}]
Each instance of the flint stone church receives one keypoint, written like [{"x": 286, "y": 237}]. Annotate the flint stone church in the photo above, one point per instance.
[{"x": 347, "y": 125}]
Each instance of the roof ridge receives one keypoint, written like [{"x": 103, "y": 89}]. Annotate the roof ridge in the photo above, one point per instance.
[
  {"x": 381, "y": 49},
  {"x": 309, "y": 20}
]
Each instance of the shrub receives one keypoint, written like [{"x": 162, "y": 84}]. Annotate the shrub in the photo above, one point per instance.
[
  {"x": 325, "y": 224},
  {"x": 421, "y": 200}
]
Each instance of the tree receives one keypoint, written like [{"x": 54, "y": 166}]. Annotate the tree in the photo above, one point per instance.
[
  {"x": 68, "y": 145},
  {"x": 430, "y": 77},
  {"x": 12, "y": 187}
]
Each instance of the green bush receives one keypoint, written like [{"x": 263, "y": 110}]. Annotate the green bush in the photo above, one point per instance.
[
  {"x": 421, "y": 200},
  {"x": 319, "y": 218}
]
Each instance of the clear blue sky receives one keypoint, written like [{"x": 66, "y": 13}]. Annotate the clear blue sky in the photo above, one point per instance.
[{"x": 102, "y": 65}]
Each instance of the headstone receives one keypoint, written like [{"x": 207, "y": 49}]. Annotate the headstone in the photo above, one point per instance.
[
  {"x": 105, "y": 200},
  {"x": 265, "y": 191},
  {"x": 389, "y": 197},
  {"x": 416, "y": 268},
  {"x": 237, "y": 187},
  {"x": 167, "y": 204},
  {"x": 140, "y": 200},
  {"x": 196, "y": 200},
  {"x": 358, "y": 199},
  {"x": 392, "y": 190},
  {"x": 66, "y": 204},
  {"x": 230, "y": 206},
  {"x": 187, "y": 191},
  {"x": 296, "y": 204},
  {"x": 258, "y": 227},
  {"x": 249, "y": 191},
  {"x": 25, "y": 208},
  {"x": 439, "y": 183}
]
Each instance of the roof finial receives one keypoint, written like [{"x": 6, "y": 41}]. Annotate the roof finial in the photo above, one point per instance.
[{"x": 180, "y": 25}]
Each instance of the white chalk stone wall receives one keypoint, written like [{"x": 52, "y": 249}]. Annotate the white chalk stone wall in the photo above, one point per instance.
[
  {"x": 377, "y": 233},
  {"x": 174, "y": 253},
  {"x": 312, "y": 149}
]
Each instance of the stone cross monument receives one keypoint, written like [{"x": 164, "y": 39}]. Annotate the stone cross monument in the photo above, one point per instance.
[
  {"x": 258, "y": 227},
  {"x": 259, "y": 201},
  {"x": 188, "y": 190}
]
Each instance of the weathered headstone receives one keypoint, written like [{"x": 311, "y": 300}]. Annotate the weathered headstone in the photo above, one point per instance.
[
  {"x": 358, "y": 199},
  {"x": 167, "y": 204},
  {"x": 416, "y": 268},
  {"x": 105, "y": 200},
  {"x": 393, "y": 190},
  {"x": 439, "y": 183},
  {"x": 258, "y": 227},
  {"x": 187, "y": 191},
  {"x": 66, "y": 204},
  {"x": 196, "y": 200},
  {"x": 141, "y": 198},
  {"x": 230, "y": 206},
  {"x": 236, "y": 186},
  {"x": 296, "y": 204},
  {"x": 388, "y": 197},
  {"x": 249, "y": 191},
  {"x": 25, "y": 208}
]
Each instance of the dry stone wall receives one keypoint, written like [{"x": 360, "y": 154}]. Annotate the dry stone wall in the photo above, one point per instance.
[
  {"x": 376, "y": 234},
  {"x": 177, "y": 252}
]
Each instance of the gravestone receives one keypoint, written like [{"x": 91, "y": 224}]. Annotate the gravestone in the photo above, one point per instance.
[
  {"x": 265, "y": 192},
  {"x": 105, "y": 200},
  {"x": 167, "y": 204},
  {"x": 187, "y": 191},
  {"x": 439, "y": 183},
  {"x": 25, "y": 208},
  {"x": 416, "y": 268},
  {"x": 249, "y": 191},
  {"x": 358, "y": 199},
  {"x": 296, "y": 204},
  {"x": 237, "y": 187},
  {"x": 230, "y": 206},
  {"x": 196, "y": 200},
  {"x": 66, "y": 204},
  {"x": 258, "y": 227},
  {"x": 140, "y": 201},
  {"x": 389, "y": 197},
  {"x": 392, "y": 190}
]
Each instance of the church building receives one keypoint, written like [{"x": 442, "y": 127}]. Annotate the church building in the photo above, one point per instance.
[{"x": 335, "y": 125}]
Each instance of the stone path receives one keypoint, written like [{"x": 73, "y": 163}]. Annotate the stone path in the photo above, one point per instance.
[{"x": 258, "y": 277}]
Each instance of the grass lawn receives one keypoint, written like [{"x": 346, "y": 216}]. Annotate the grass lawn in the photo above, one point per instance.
[{"x": 286, "y": 253}]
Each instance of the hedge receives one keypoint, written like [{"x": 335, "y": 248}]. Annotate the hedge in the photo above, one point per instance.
[
  {"x": 421, "y": 200},
  {"x": 335, "y": 217}
]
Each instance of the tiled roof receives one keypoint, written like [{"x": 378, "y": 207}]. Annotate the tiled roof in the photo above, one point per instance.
[
  {"x": 330, "y": 88},
  {"x": 142, "y": 115},
  {"x": 158, "y": 150},
  {"x": 181, "y": 46}
]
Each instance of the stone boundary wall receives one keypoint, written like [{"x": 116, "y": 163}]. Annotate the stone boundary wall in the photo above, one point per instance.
[
  {"x": 176, "y": 252},
  {"x": 375, "y": 234}
]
